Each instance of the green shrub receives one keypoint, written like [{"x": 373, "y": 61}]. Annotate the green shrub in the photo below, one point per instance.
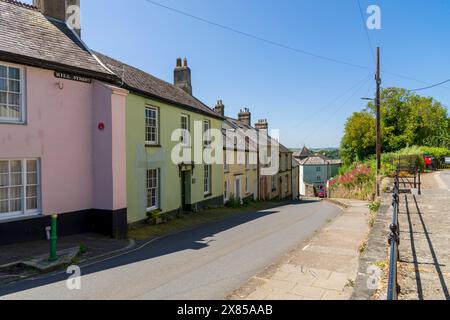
[
  {"x": 233, "y": 202},
  {"x": 374, "y": 206}
]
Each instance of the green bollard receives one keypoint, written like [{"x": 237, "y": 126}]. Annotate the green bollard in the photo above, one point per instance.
[{"x": 53, "y": 238}]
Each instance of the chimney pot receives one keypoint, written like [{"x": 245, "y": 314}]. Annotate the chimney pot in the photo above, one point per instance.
[
  {"x": 220, "y": 108},
  {"x": 182, "y": 76},
  {"x": 59, "y": 10}
]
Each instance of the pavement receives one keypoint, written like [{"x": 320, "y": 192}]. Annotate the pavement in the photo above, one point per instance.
[
  {"x": 14, "y": 257},
  {"x": 207, "y": 262},
  {"x": 322, "y": 268},
  {"x": 424, "y": 267}
]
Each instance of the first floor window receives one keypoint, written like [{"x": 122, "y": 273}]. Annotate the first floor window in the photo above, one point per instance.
[
  {"x": 206, "y": 133},
  {"x": 207, "y": 179},
  {"x": 151, "y": 125},
  {"x": 247, "y": 161},
  {"x": 185, "y": 136},
  {"x": 318, "y": 169},
  {"x": 11, "y": 94},
  {"x": 19, "y": 187},
  {"x": 226, "y": 166},
  {"x": 152, "y": 189}
]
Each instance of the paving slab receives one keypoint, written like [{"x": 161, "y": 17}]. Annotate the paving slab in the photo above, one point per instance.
[{"x": 322, "y": 268}]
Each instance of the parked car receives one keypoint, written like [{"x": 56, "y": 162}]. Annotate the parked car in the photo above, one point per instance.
[{"x": 322, "y": 193}]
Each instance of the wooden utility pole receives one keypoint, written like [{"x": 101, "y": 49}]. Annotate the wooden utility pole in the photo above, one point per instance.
[{"x": 378, "y": 103}]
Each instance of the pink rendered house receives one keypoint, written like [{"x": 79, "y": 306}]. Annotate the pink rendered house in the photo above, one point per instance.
[{"x": 62, "y": 129}]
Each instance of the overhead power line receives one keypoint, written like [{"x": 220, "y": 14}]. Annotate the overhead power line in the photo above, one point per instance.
[
  {"x": 252, "y": 36},
  {"x": 432, "y": 86},
  {"x": 371, "y": 48},
  {"x": 280, "y": 45}
]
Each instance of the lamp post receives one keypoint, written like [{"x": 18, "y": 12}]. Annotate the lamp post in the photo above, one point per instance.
[{"x": 53, "y": 239}]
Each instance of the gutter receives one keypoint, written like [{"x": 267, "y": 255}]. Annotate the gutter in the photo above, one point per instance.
[{"x": 44, "y": 64}]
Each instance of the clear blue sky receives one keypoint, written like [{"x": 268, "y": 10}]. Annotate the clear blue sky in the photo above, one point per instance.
[{"x": 291, "y": 90}]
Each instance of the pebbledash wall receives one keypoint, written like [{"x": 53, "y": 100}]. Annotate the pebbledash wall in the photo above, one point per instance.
[
  {"x": 81, "y": 168},
  {"x": 142, "y": 157}
]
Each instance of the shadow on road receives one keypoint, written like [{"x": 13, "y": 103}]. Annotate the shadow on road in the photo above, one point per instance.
[{"x": 193, "y": 239}]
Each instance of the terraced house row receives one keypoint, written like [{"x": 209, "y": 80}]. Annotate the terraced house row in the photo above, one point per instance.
[{"x": 90, "y": 138}]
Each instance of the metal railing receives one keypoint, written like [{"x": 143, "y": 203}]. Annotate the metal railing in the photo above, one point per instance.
[{"x": 394, "y": 241}]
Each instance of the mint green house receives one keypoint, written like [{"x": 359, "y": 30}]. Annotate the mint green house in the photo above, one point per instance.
[{"x": 155, "y": 109}]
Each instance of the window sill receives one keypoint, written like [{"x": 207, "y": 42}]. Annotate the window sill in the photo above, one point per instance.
[
  {"x": 151, "y": 145},
  {"x": 207, "y": 195},
  {"x": 19, "y": 217},
  {"x": 13, "y": 122}
]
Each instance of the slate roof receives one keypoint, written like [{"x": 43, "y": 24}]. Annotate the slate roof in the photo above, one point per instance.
[
  {"x": 234, "y": 125},
  {"x": 317, "y": 160},
  {"x": 28, "y": 37},
  {"x": 143, "y": 83},
  {"x": 305, "y": 152}
]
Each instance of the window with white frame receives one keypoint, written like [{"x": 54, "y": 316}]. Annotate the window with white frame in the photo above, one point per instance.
[
  {"x": 151, "y": 125},
  {"x": 19, "y": 187},
  {"x": 185, "y": 136},
  {"x": 207, "y": 180},
  {"x": 226, "y": 166},
  {"x": 206, "y": 133},
  {"x": 152, "y": 189},
  {"x": 226, "y": 190},
  {"x": 247, "y": 161},
  {"x": 11, "y": 94},
  {"x": 274, "y": 183}
]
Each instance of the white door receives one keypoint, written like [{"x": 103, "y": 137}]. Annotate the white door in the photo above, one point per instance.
[{"x": 237, "y": 187}]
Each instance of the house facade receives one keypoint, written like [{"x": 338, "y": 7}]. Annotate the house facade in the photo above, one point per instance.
[
  {"x": 240, "y": 170},
  {"x": 280, "y": 185},
  {"x": 316, "y": 171},
  {"x": 155, "y": 110},
  {"x": 62, "y": 131}
]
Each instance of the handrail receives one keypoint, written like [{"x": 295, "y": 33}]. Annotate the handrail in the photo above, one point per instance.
[{"x": 394, "y": 241}]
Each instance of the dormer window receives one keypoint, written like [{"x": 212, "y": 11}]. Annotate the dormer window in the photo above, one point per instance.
[{"x": 11, "y": 94}]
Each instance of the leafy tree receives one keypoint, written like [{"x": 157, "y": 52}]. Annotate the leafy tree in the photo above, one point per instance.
[
  {"x": 407, "y": 119},
  {"x": 359, "y": 139}
]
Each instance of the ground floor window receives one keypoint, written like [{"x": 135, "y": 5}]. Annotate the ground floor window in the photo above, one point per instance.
[
  {"x": 226, "y": 190},
  {"x": 274, "y": 183},
  {"x": 207, "y": 179},
  {"x": 247, "y": 185},
  {"x": 152, "y": 189},
  {"x": 19, "y": 187}
]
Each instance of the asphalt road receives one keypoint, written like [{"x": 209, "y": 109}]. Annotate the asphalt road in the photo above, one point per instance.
[
  {"x": 445, "y": 176},
  {"x": 207, "y": 262}
]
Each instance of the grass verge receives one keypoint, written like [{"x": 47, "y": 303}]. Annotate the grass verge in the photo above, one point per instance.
[{"x": 186, "y": 221}]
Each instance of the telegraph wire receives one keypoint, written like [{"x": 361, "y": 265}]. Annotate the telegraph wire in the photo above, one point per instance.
[
  {"x": 255, "y": 37},
  {"x": 277, "y": 44},
  {"x": 432, "y": 86},
  {"x": 371, "y": 47}
]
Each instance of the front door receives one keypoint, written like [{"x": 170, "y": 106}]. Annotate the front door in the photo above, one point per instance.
[{"x": 185, "y": 190}]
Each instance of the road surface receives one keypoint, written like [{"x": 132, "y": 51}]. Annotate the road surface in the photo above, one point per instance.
[
  {"x": 445, "y": 176},
  {"x": 207, "y": 262}
]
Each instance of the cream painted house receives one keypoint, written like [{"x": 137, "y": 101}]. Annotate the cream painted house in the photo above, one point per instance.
[{"x": 240, "y": 176}]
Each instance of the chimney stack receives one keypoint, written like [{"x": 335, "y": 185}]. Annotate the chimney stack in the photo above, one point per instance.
[
  {"x": 220, "y": 108},
  {"x": 245, "y": 116},
  {"x": 63, "y": 10},
  {"x": 182, "y": 76},
  {"x": 262, "y": 124}
]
